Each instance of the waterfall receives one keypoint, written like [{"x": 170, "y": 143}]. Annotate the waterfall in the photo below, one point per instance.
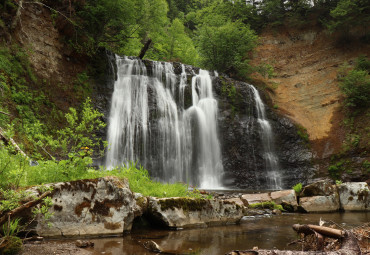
[
  {"x": 272, "y": 174},
  {"x": 150, "y": 124}
]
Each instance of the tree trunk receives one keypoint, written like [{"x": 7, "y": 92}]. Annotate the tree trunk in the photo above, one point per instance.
[{"x": 145, "y": 48}]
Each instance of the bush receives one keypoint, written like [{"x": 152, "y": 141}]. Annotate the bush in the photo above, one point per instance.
[
  {"x": 298, "y": 188},
  {"x": 224, "y": 45},
  {"x": 356, "y": 87}
]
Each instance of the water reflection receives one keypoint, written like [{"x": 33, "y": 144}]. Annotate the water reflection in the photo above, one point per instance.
[{"x": 264, "y": 232}]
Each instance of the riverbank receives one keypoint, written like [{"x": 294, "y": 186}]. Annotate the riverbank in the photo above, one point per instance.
[{"x": 264, "y": 232}]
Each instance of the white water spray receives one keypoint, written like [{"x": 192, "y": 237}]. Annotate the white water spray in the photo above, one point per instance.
[
  {"x": 273, "y": 177},
  {"x": 148, "y": 126}
]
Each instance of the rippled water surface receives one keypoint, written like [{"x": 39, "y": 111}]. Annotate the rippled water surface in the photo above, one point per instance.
[{"x": 265, "y": 232}]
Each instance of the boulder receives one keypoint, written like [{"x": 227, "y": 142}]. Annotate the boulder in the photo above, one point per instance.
[
  {"x": 256, "y": 198},
  {"x": 320, "y": 203},
  {"x": 191, "y": 212},
  {"x": 284, "y": 196},
  {"x": 98, "y": 207},
  {"x": 237, "y": 201},
  {"x": 354, "y": 196},
  {"x": 321, "y": 188}
]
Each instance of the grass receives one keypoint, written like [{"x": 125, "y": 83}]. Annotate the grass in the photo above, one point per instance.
[{"x": 15, "y": 172}]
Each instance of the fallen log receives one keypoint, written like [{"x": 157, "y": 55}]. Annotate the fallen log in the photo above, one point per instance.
[
  {"x": 11, "y": 214},
  {"x": 311, "y": 229}
]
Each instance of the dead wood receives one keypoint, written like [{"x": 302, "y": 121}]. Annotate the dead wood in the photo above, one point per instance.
[
  {"x": 11, "y": 141},
  {"x": 18, "y": 210},
  {"x": 310, "y": 229}
]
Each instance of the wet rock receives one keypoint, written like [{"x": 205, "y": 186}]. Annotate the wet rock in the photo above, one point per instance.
[
  {"x": 354, "y": 196},
  {"x": 289, "y": 207},
  {"x": 284, "y": 196},
  {"x": 84, "y": 244},
  {"x": 236, "y": 200},
  {"x": 276, "y": 212},
  {"x": 189, "y": 212},
  {"x": 321, "y": 188},
  {"x": 320, "y": 203},
  {"x": 152, "y": 246},
  {"x": 98, "y": 207},
  {"x": 256, "y": 198}
]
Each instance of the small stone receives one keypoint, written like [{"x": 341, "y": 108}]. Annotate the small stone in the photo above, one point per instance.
[
  {"x": 255, "y": 248},
  {"x": 84, "y": 244},
  {"x": 276, "y": 212},
  {"x": 152, "y": 246}
]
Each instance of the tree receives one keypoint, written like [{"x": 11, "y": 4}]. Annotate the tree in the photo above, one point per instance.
[
  {"x": 348, "y": 14},
  {"x": 224, "y": 45}
]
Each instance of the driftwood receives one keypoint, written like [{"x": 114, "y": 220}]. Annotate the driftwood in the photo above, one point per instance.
[
  {"x": 311, "y": 229},
  {"x": 20, "y": 209},
  {"x": 349, "y": 242},
  {"x": 145, "y": 48}
]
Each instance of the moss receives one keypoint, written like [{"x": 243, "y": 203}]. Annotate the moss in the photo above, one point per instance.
[
  {"x": 141, "y": 202},
  {"x": 267, "y": 205},
  {"x": 187, "y": 204},
  {"x": 10, "y": 245}
]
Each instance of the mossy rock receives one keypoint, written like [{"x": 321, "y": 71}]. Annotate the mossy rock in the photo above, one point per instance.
[
  {"x": 187, "y": 204},
  {"x": 11, "y": 245}
]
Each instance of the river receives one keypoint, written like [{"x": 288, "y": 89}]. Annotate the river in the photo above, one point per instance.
[{"x": 265, "y": 232}]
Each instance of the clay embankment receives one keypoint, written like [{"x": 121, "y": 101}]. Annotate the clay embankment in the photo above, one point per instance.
[{"x": 305, "y": 87}]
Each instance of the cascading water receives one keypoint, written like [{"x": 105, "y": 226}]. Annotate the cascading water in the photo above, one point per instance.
[
  {"x": 272, "y": 175},
  {"x": 147, "y": 126}
]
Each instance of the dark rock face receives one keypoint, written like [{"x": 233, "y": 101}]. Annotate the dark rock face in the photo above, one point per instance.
[
  {"x": 239, "y": 131},
  {"x": 242, "y": 148}
]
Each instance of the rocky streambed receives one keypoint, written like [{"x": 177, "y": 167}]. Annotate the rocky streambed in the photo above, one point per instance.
[{"x": 106, "y": 207}]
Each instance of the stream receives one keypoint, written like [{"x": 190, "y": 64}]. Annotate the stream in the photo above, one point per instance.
[{"x": 265, "y": 232}]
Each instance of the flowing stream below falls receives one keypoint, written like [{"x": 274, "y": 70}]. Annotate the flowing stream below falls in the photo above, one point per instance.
[{"x": 265, "y": 232}]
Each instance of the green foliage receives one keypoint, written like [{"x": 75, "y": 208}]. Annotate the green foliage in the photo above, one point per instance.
[
  {"x": 338, "y": 182},
  {"x": 78, "y": 137},
  {"x": 10, "y": 245},
  {"x": 302, "y": 132},
  {"x": 140, "y": 182},
  {"x": 298, "y": 188},
  {"x": 223, "y": 45},
  {"x": 336, "y": 169},
  {"x": 356, "y": 85},
  {"x": 267, "y": 205},
  {"x": 348, "y": 14},
  {"x": 11, "y": 228}
]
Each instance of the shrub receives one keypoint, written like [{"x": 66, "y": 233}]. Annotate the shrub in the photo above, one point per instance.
[
  {"x": 356, "y": 87},
  {"x": 298, "y": 188}
]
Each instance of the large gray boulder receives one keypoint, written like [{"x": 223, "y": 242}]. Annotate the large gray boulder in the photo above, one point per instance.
[
  {"x": 354, "y": 196},
  {"x": 193, "y": 212},
  {"x": 320, "y": 188},
  {"x": 320, "y": 203},
  {"x": 98, "y": 207}
]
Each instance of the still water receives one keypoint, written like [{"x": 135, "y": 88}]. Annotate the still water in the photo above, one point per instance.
[{"x": 268, "y": 232}]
